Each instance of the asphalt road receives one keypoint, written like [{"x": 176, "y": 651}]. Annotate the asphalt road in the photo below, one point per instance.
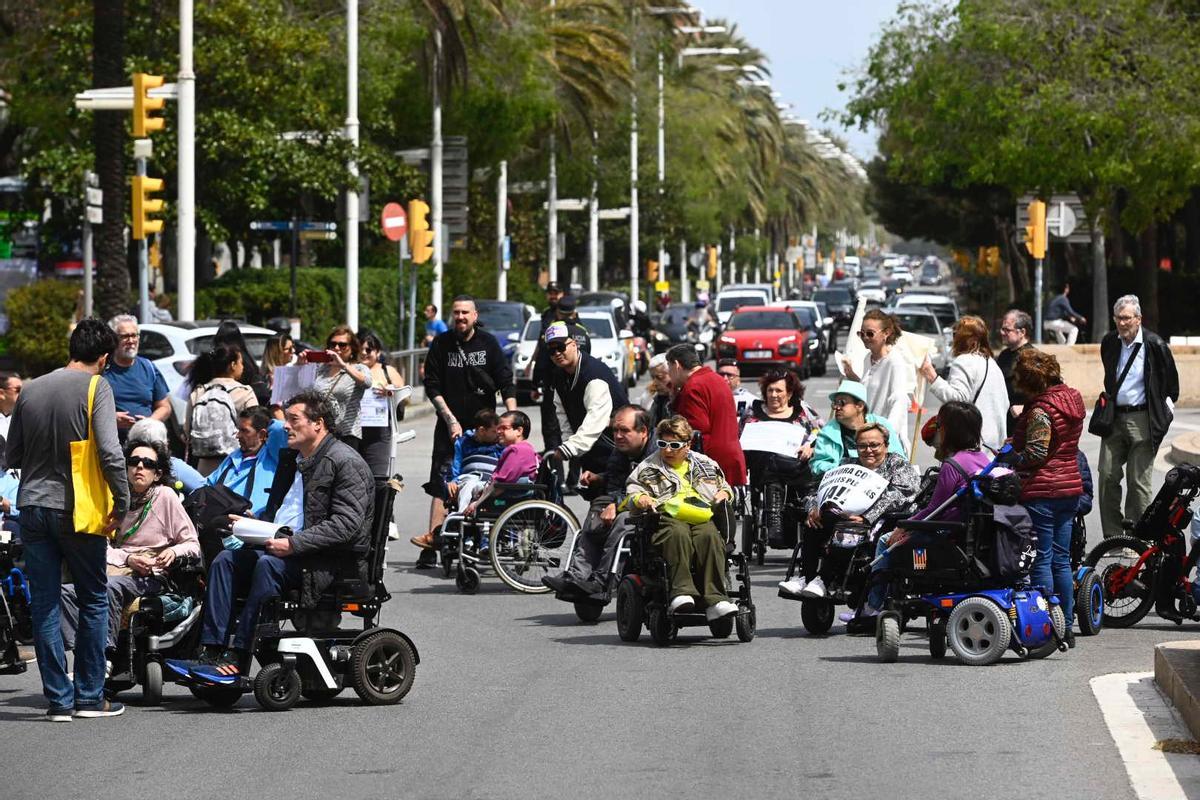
[{"x": 516, "y": 699}]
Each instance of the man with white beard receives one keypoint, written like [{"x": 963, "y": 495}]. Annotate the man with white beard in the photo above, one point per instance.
[{"x": 138, "y": 387}]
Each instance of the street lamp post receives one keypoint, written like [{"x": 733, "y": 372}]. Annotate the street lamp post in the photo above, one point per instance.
[
  {"x": 352, "y": 136},
  {"x": 185, "y": 206},
  {"x": 435, "y": 173},
  {"x": 634, "y": 267}
]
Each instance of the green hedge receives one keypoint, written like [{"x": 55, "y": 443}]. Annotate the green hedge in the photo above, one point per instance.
[{"x": 39, "y": 319}]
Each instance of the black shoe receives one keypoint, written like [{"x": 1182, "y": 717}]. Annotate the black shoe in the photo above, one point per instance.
[
  {"x": 427, "y": 559},
  {"x": 862, "y": 626},
  {"x": 559, "y": 583},
  {"x": 1070, "y": 639}
]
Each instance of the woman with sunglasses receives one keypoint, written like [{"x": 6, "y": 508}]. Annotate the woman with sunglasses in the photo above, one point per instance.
[
  {"x": 377, "y": 442},
  {"x": 154, "y": 532},
  {"x": 342, "y": 380},
  {"x": 836, "y": 442},
  {"x": 887, "y": 374}
]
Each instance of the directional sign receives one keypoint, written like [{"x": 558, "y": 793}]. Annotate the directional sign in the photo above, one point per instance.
[
  {"x": 614, "y": 213},
  {"x": 1080, "y": 234},
  {"x": 394, "y": 221},
  {"x": 285, "y": 225},
  {"x": 95, "y": 197},
  {"x": 1060, "y": 220},
  {"x": 568, "y": 204},
  {"x": 318, "y": 226},
  {"x": 95, "y": 215}
]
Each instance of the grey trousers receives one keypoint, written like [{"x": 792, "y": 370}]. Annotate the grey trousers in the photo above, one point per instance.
[
  {"x": 122, "y": 590},
  {"x": 1125, "y": 454},
  {"x": 596, "y": 549}
]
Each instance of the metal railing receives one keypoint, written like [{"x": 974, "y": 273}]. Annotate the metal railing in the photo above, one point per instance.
[{"x": 409, "y": 362}]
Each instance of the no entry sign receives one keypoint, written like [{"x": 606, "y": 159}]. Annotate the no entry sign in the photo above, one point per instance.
[{"x": 394, "y": 221}]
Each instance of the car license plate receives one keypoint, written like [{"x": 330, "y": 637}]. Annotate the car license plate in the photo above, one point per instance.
[{"x": 757, "y": 354}]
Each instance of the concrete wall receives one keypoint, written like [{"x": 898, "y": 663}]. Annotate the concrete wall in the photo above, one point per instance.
[{"x": 1082, "y": 370}]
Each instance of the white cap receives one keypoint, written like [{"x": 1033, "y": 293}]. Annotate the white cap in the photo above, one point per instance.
[{"x": 659, "y": 360}]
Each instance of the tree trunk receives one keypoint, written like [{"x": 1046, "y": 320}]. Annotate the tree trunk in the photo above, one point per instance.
[
  {"x": 1147, "y": 275},
  {"x": 109, "y": 141},
  {"x": 1191, "y": 227},
  {"x": 1099, "y": 318}
]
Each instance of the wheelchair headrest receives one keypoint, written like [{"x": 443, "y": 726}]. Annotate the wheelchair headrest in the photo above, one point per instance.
[{"x": 1000, "y": 490}]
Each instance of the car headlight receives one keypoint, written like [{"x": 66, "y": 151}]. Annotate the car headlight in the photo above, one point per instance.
[
  {"x": 522, "y": 359},
  {"x": 788, "y": 348},
  {"x": 813, "y": 344},
  {"x": 612, "y": 355},
  {"x": 728, "y": 340}
]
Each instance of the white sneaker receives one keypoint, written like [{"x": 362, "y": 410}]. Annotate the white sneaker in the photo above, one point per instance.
[
  {"x": 719, "y": 610},
  {"x": 793, "y": 587},
  {"x": 846, "y": 616},
  {"x": 393, "y": 531},
  {"x": 815, "y": 588},
  {"x": 682, "y": 604}
]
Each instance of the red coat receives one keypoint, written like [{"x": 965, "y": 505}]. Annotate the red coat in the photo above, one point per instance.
[
  {"x": 707, "y": 404},
  {"x": 1058, "y": 475}
]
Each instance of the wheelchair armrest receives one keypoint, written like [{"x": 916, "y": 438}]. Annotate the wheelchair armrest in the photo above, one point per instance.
[
  {"x": 520, "y": 487},
  {"x": 932, "y": 525}
]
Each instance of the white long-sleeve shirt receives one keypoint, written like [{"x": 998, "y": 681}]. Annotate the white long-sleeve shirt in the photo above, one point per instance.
[{"x": 968, "y": 373}]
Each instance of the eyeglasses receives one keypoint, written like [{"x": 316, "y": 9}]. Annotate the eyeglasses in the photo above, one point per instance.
[
  {"x": 339, "y": 345},
  {"x": 1008, "y": 330},
  {"x": 141, "y": 461},
  {"x": 841, "y": 402},
  {"x": 866, "y": 335},
  {"x": 1125, "y": 318},
  {"x": 557, "y": 347},
  {"x": 870, "y": 445},
  {"x": 663, "y": 444}
]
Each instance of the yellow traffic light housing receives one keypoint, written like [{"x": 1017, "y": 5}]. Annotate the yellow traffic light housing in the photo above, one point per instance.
[
  {"x": 1035, "y": 231},
  {"x": 143, "y": 104},
  {"x": 144, "y": 205},
  {"x": 420, "y": 237},
  {"x": 712, "y": 262},
  {"x": 652, "y": 270}
]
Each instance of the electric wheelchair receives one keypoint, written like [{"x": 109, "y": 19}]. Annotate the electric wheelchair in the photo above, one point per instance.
[
  {"x": 643, "y": 594},
  {"x": 773, "y": 507},
  {"x": 320, "y": 658},
  {"x": 970, "y": 581},
  {"x": 523, "y": 531},
  {"x": 16, "y": 620}
]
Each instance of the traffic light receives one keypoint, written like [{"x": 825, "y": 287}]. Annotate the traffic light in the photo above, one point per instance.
[
  {"x": 1035, "y": 231},
  {"x": 712, "y": 262},
  {"x": 420, "y": 237},
  {"x": 143, "y": 104},
  {"x": 144, "y": 205},
  {"x": 651, "y": 270}
]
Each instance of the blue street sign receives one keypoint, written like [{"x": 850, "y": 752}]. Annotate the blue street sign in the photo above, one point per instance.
[
  {"x": 506, "y": 251},
  {"x": 286, "y": 225}
]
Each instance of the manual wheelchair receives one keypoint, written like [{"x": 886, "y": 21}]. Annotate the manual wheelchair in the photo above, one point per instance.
[
  {"x": 773, "y": 509},
  {"x": 643, "y": 594},
  {"x": 971, "y": 586},
  {"x": 523, "y": 530},
  {"x": 16, "y": 620},
  {"x": 320, "y": 658}
]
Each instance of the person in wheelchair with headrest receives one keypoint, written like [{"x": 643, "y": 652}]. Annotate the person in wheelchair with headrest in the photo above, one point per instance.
[
  {"x": 902, "y": 484},
  {"x": 683, "y": 487},
  {"x": 154, "y": 533},
  {"x": 339, "y": 498},
  {"x": 955, "y": 435}
]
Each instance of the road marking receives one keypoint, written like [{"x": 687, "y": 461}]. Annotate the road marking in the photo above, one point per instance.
[{"x": 1138, "y": 715}]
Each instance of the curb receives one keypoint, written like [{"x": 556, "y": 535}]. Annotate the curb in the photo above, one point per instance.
[
  {"x": 1185, "y": 449},
  {"x": 1177, "y": 673}
]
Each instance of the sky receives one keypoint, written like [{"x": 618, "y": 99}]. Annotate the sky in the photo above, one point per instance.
[{"x": 810, "y": 44}]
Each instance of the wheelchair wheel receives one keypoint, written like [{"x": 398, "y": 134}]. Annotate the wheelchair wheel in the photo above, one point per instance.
[
  {"x": 1059, "y": 621},
  {"x": 588, "y": 611},
  {"x": 217, "y": 696},
  {"x": 662, "y": 629},
  {"x": 887, "y": 637},
  {"x": 937, "y": 639},
  {"x": 1126, "y": 600},
  {"x": 1089, "y": 604},
  {"x": 276, "y": 687},
  {"x": 382, "y": 668},
  {"x": 631, "y": 610},
  {"x": 978, "y": 632},
  {"x": 529, "y": 542},
  {"x": 467, "y": 580},
  {"x": 817, "y": 616},
  {"x": 152, "y": 683},
  {"x": 746, "y": 625},
  {"x": 721, "y": 628}
]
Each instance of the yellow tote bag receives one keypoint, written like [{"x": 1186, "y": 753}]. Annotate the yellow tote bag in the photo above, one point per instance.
[{"x": 93, "y": 498}]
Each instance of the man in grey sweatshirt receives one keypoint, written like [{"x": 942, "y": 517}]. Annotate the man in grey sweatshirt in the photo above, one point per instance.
[{"x": 50, "y": 414}]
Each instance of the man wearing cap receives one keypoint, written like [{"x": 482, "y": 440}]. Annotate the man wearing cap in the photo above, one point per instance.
[
  {"x": 836, "y": 441},
  {"x": 584, "y": 394},
  {"x": 562, "y": 309}
]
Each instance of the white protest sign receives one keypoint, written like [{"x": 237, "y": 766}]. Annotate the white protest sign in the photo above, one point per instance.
[
  {"x": 291, "y": 380},
  {"x": 373, "y": 410},
  {"x": 781, "y": 438},
  {"x": 850, "y": 487}
]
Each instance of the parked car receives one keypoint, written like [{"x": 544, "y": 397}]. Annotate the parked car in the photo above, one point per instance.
[
  {"x": 173, "y": 346},
  {"x": 608, "y": 343},
  {"x": 821, "y": 328},
  {"x": 873, "y": 290},
  {"x": 941, "y": 306},
  {"x": 522, "y": 360},
  {"x": 840, "y": 302},
  {"x": 504, "y": 319},
  {"x": 918, "y": 320},
  {"x": 769, "y": 336},
  {"x": 729, "y": 300}
]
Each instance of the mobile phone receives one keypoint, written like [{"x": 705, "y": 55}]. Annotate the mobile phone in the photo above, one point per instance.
[{"x": 317, "y": 356}]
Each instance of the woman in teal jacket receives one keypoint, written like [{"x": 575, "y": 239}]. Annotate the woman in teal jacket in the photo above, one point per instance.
[{"x": 835, "y": 442}]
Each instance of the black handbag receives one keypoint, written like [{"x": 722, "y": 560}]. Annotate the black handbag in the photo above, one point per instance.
[{"x": 1104, "y": 414}]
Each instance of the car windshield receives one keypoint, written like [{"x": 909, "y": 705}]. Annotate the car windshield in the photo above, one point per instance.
[
  {"x": 732, "y": 302},
  {"x": 256, "y": 343},
  {"x": 532, "y": 329},
  {"x": 807, "y": 317},
  {"x": 676, "y": 315},
  {"x": 918, "y": 323},
  {"x": 834, "y": 296},
  {"x": 598, "y": 327},
  {"x": 502, "y": 317},
  {"x": 943, "y": 311},
  {"x": 762, "y": 321}
]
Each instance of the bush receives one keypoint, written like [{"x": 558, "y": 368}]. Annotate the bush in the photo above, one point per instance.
[{"x": 39, "y": 317}]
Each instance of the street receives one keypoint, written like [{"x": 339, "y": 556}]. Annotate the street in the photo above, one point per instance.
[{"x": 515, "y": 698}]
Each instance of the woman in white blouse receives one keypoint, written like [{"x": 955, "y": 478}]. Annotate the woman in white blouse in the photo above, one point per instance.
[{"x": 887, "y": 374}]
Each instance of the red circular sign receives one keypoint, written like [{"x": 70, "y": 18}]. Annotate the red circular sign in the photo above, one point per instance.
[{"x": 394, "y": 221}]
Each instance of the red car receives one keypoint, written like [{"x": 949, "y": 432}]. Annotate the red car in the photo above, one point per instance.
[{"x": 760, "y": 337}]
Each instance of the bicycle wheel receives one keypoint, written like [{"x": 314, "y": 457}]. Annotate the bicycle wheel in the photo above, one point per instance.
[
  {"x": 1127, "y": 596},
  {"x": 529, "y": 542}
]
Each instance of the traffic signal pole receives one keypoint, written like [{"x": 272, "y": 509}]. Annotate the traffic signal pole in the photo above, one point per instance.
[
  {"x": 352, "y": 137},
  {"x": 185, "y": 225},
  {"x": 143, "y": 245},
  {"x": 1037, "y": 302},
  {"x": 435, "y": 173}
]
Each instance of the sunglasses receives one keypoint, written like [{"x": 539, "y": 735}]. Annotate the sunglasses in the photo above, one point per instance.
[
  {"x": 557, "y": 347},
  {"x": 339, "y": 345},
  {"x": 141, "y": 461},
  {"x": 866, "y": 334},
  {"x": 663, "y": 444},
  {"x": 841, "y": 403}
]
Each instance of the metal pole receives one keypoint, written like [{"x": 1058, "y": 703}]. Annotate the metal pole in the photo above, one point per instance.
[
  {"x": 352, "y": 136},
  {"x": 143, "y": 263},
  {"x": 662, "y": 158},
  {"x": 185, "y": 203},
  {"x": 685, "y": 291},
  {"x": 594, "y": 221},
  {"x": 435, "y": 173},
  {"x": 634, "y": 266},
  {"x": 295, "y": 261},
  {"x": 400, "y": 294},
  {"x": 88, "y": 177},
  {"x": 1037, "y": 301},
  {"x": 412, "y": 303},
  {"x": 757, "y": 257},
  {"x": 732, "y": 258},
  {"x": 552, "y": 212},
  {"x": 501, "y": 231}
]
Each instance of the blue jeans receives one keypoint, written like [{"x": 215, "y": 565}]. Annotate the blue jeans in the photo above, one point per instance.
[
  {"x": 242, "y": 573},
  {"x": 1052, "y": 521},
  {"x": 49, "y": 540}
]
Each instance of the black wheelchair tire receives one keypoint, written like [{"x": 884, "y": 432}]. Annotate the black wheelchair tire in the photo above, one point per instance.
[
  {"x": 972, "y": 650},
  {"x": 721, "y": 628},
  {"x": 276, "y": 687},
  {"x": 746, "y": 625},
  {"x": 662, "y": 629},
  {"x": 887, "y": 638},
  {"x": 937, "y": 639},
  {"x": 1090, "y": 623},
  {"x": 1060, "y": 625},
  {"x": 152, "y": 683},
  {"x": 588, "y": 610},
  {"x": 372, "y": 660},
  {"x": 1147, "y": 577},
  {"x": 631, "y": 611},
  {"x": 816, "y": 616},
  {"x": 467, "y": 580}
]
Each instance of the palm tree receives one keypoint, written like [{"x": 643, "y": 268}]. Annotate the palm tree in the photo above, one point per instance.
[{"x": 110, "y": 140}]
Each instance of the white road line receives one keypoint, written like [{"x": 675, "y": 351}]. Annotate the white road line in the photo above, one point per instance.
[{"x": 1138, "y": 715}]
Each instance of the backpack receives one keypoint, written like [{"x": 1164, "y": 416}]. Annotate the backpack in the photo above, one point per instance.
[
  {"x": 214, "y": 423},
  {"x": 1015, "y": 544}
]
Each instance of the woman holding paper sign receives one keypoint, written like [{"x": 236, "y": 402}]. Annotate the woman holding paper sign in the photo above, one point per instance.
[
  {"x": 342, "y": 380},
  {"x": 385, "y": 380},
  {"x": 886, "y": 373}
]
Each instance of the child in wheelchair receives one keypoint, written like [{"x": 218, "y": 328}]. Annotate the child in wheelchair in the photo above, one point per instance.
[{"x": 518, "y": 462}]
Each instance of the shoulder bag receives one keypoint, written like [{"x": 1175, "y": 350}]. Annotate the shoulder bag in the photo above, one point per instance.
[
  {"x": 93, "y": 499},
  {"x": 478, "y": 380},
  {"x": 1104, "y": 414}
]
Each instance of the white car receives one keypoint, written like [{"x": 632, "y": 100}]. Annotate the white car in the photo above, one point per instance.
[
  {"x": 873, "y": 290},
  {"x": 522, "y": 362},
  {"x": 730, "y": 300},
  {"x": 902, "y": 274},
  {"x": 824, "y": 322},
  {"x": 173, "y": 346},
  {"x": 941, "y": 306},
  {"x": 608, "y": 344}
]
